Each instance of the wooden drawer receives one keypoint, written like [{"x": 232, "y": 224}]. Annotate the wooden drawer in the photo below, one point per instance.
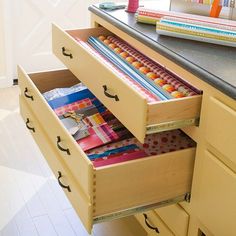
[
  {"x": 94, "y": 73},
  {"x": 115, "y": 190},
  {"x": 221, "y": 128},
  {"x": 78, "y": 199},
  {"x": 153, "y": 224},
  {"x": 216, "y": 197},
  {"x": 175, "y": 218}
]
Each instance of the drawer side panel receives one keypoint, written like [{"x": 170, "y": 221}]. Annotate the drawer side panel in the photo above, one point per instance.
[
  {"x": 77, "y": 161},
  {"x": 77, "y": 198}
]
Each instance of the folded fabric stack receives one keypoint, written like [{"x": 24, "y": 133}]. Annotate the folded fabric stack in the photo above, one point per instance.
[
  {"x": 85, "y": 117},
  {"x": 100, "y": 135}
]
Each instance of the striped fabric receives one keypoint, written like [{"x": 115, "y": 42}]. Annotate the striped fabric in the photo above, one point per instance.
[{"x": 73, "y": 106}]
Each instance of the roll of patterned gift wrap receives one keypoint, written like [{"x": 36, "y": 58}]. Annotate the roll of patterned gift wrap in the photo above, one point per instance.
[
  {"x": 199, "y": 27},
  {"x": 144, "y": 92},
  {"x": 223, "y": 3},
  {"x": 154, "y": 72},
  {"x": 196, "y": 31},
  {"x": 157, "y": 15}
]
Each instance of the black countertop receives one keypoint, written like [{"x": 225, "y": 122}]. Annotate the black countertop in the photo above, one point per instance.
[{"x": 214, "y": 64}]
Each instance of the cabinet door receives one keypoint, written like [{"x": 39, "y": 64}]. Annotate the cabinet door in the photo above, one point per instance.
[
  {"x": 221, "y": 129},
  {"x": 217, "y": 197},
  {"x": 153, "y": 224}
]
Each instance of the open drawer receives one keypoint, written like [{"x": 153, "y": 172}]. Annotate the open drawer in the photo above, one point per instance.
[
  {"x": 115, "y": 190},
  {"x": 132, "y": 109}
]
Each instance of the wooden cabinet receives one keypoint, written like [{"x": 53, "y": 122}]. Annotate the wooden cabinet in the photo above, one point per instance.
[
  {"x": 153, "y": 224},
  {"x": 150, "y": 117},
  {"x": 217, "y": 194},
  {"x": 221, "y": 128},
  {"x": 104, "y": 193},
  {"x": 176, "y": 218},
  {"x": 99, "y": 194}
]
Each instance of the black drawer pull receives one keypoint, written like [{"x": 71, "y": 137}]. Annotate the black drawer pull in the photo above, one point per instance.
[
  {"x": 61, "y": 184},
  {"x": 66, "y": 54},
  {"x": 149, "y": 226},
  {"x": 61, "y": 148},
  {"x": 27, "y": 125},
  {"x": 109, "y": 95},
  {"x": 28, "y": 96}
]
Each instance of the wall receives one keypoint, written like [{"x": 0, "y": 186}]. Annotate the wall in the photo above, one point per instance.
[{"x": 2, "y": 48}]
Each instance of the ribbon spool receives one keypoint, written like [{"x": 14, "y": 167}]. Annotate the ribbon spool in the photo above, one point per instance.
[{"x": 132, "y": 6}]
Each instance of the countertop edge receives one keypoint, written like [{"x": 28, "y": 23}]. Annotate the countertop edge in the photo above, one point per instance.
[{"x": 209, "y": 78}]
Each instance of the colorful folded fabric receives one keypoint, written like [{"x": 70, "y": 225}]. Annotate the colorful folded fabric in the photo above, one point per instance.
[
  {"x": 98, "y": 135},
  {"x": 131, "y": 149},
  {"x": 60, "y": 92},
  {"x": 73, "y": 106}
]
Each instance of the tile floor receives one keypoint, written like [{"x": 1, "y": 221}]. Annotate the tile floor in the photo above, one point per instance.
[{"x": 31, "y": 202}]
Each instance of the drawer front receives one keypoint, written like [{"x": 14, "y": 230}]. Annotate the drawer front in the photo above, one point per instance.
[
  {"x": 132, "y": 109},
  {"x": 116, "y": 190},
  {"x": 72, "y": 155},
  {"x": 175, "y": 218},
  {"x": 95, "y": 75},
  {"x": 77, "y": 198},
  {"x": 145, "y": 182},
  {"x": 221, "y": 128},
  {"x": 217, "y": 194},
  {"x": 153, "y": 224}
]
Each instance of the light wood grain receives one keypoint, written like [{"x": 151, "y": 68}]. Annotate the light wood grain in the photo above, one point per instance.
[
  {"x": 174, "y": 110},
  {"x": 221, "y": 129},
  {"x": 144, "y": 181},
  {"x": 78, "y": 199},
  {"x": 217, "y": 185},
  {"x": 154, "y": 221},
  {"x": 77, "y": 161},
  {"x": 175, "y": 218}
]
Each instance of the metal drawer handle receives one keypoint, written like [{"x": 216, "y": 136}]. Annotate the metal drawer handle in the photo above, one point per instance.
[
  {"x": 61, "y": 184},
  {"x": 27, "y": 125},
  {"x": 149, "y": 226},
  {"x": 66, "y": 54},
  {"x": 28, "y": 96},
  {"x": 61, "y": 148},
  {"x": 109, "y": 95}
]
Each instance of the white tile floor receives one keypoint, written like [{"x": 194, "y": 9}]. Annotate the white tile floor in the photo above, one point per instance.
[{"x": 31, "y": 202}]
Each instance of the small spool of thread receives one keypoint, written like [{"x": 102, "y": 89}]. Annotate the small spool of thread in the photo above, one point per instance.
[{"x": 132, "y": 6}]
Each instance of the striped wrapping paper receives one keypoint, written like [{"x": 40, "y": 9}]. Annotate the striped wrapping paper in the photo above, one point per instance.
[
  {"x": 144, "y": 92},
  {"x": 197, "y": 30},
  {"x": 156, "y": 15},
  {"x": 223, "y": 3}
]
